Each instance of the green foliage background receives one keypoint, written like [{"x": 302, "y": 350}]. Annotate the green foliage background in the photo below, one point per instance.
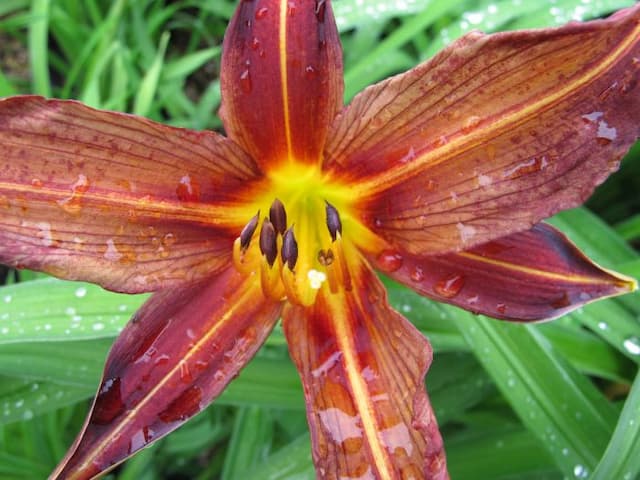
[{"x": 549, "y": 401}]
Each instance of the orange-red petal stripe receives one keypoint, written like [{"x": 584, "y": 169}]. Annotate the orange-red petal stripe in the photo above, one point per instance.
[
  {"x": 112, "y": 198},
  {"x": 534, "y": 275},
  {"x": 363, "y": 367},
  {"x": 174, "y": 357},
  {"x": 493, "y": 134},
  {"x": 281, "y": 79}
]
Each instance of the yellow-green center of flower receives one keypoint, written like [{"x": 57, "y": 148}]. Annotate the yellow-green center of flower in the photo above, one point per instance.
[{"x": 295, "y": 243}]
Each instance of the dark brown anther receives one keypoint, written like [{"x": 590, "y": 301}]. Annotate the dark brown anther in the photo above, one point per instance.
[
  {"x": 334, "y": 224},
  {"x": 289, "y": 249},
  {"x": 278, "y": 216},
  {"x": 325, "y": 258},
  {"x": 268, "y": 244},
  {"x": 248, "y": 231}
]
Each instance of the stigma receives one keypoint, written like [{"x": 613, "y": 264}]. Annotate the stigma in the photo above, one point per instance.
[{"x": 294, "y": 253}]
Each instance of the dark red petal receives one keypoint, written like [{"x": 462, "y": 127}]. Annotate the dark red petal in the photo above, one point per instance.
[
  {"x": 492, "y": 135},
  {"x": 534, "y": 275},
  {"x": 174, "y": 357},
  {"x": 363, "y": 367},
  {"x": 281, "y": 79},
  {"x": 112, "y": 198}
]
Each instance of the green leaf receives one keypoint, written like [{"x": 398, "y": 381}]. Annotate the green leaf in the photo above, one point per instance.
[
  {"x": 555, "y": 402},
  {"x": 38, "y": 51},
  {"x": 68, "y": 311},
  {"x": 149, "y": 84},
  {"x": 622, "y": 457}
]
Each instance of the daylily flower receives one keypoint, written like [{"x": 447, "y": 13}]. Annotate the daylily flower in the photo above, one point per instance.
[{"x": 438, "y": 177}]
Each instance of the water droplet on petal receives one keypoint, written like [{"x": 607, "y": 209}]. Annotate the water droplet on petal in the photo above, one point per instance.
[
  {"x": 188, "y": 189},
  {"x": 185, "y": 373},
  {"x": 321, "y": 6},
  {"x": 605, "y": 134},
  {"x": 72, "y": 204},
  {"x": 261, "y": 13},
  {"x": 111, "y": 253},
  {"x": 466, "y": 232},
  {"x": 501, "y": 308},
  {"x": 417, "y": 274},
  {"x": 162, "y": 360},
  {"x": 532, "y": 165},
  {"x": 310, "y": 72},
  {"x": 389, "y": 261},
  {"x": 449, "y": 286},
  {"x": 108, "y": 403},
  {"x": 183, "y": 407},
  {"x": 245, "y": 81},
  {"x": 471, "y": 123}
]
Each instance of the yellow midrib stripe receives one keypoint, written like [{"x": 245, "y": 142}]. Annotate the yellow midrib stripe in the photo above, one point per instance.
[
  {"x": 203, "y": 213},
  {"x": 578, "y": 279},
  {"x": 284, "y": 76},
  {"x": 361, "y": 397},
  {"x": 463, "y": 143},
  {"x": 175, "y": 370}
]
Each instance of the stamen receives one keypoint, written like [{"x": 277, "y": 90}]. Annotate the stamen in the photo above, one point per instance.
[
  {"x": 248, "y": 231},
  {"x": 289, "y": 249},
  {"x": 334, "y": 224},
  {"x": 278, "y": 216},
  {"x": 268, "y": 243}
]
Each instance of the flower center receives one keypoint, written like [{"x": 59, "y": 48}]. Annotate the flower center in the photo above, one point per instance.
[{"x": 294, "y": 243}]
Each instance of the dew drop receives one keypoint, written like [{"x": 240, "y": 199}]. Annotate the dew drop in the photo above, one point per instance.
[
  {"x": 162, "y": 359},
  {"x": 111, "y": 253},
  {"x": 168, "y": 240},
  {"x": 471, "y": 123},
  {"x": 71, "y": 204},
  {"x": 188, "y": 189},
  {"x": 580, "y": 471},
  {"x": 261, "y": 13},
  {"x": 321, "y": 6},
  {"x": 81, "y": 292},
  {"x": 389, "y": 261},
  {"x": 185, "y": 373},
  {"x": 466, "y": 232},
  {"x": 605, "y": 134},
  {"x": 7, "y": 299},
  {"x": 532, "y": 165},
  {"x": 501, "y": 308},
  {"x": 184, "y": 406},
  {"x": 245, "y": 81},
  {"x": 310, "y": 72},
  {"x": 291, "y": 8},
  {"x": 632, "y": 345},
  {"x": 36, "y": 182},
  {"x": 109, "y": 402},
  {"x": 417, "y": 274},
  {"x": 255, "y": 43},
  {"x": 449, "y": 286},
  {"x": 98, "y": 326}
]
